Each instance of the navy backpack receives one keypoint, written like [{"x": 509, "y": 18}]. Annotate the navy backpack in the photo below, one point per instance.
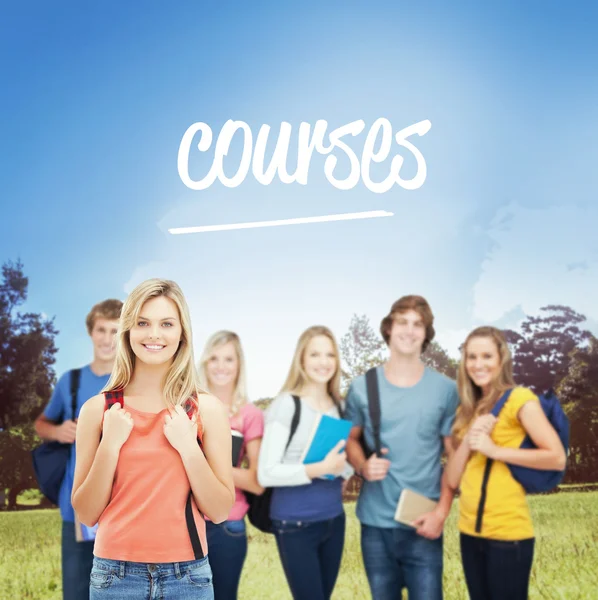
[
  {"x": 536, "y": 480},
  {"x": 50, "y": 458},
  {"x": 533, "y": 481}
]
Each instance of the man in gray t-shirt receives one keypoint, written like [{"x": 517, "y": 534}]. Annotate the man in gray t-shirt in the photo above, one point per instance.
[{"x": 417, "y": 406}]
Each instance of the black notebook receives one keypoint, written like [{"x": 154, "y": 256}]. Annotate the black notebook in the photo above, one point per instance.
[{"x": 237, "y": 444}]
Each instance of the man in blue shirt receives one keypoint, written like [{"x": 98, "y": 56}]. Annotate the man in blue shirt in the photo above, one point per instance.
[
  {"x": 417, "y": 406},
  {"x": 102, "y": 324}
]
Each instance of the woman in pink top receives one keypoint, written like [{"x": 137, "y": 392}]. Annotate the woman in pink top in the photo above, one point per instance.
[
  {"x": 141, "y": 472},
  {"x": 222, "y": 372}
]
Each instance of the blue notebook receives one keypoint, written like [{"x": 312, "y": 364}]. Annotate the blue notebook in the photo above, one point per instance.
[{"x": 326, "y": 434}]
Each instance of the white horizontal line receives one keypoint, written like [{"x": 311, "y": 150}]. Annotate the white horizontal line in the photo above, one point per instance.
[{"x": 372, "y": 214}]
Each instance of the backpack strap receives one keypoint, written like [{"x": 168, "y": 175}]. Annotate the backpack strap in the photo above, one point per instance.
[
  {"x": 484, "y": 491},
  {"x": 190, "y": 407},
  {"x": 500, "y": 404},
  {"x": 295, "y": 420},
  {"x": 75, "y": 379},
  {"x": 373, "y": 393},
  {"x": 192, "y": 528},
  {"x": 113, "y": 397}
]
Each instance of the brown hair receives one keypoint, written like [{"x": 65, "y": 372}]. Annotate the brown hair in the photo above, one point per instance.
[
  {"x": 108, "y": 309},
  {"x": 472, "y": 403},
  {"x": 420, "y": 306}
]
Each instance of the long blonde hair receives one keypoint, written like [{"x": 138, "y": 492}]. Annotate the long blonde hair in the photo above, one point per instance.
[
  {"x": 181, "y": 383},
  {"x": 216, "y": 340},
  {"x": 297, "y": 376},
  {"x": 472, "y": 402}
]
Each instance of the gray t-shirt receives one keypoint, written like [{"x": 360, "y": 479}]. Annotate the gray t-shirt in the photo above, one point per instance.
[{"x": 414, "y": 422}]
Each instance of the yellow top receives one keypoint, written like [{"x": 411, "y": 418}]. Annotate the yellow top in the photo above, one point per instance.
[{"x": 506, "y": 513}]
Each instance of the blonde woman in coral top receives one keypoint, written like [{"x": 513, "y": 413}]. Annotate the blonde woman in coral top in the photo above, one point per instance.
[{"x": 153, "y": 457}]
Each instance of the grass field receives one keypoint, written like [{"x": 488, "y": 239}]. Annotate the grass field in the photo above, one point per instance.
[{"x": 565, "y": 565}]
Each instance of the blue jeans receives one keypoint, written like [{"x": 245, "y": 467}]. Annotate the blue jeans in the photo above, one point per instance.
[
  {"x": 77, "y": 558},
  {"x": 311, "y": 554},
  {"x": 495, "y": 569},
  {"x": 123, "y": 580},
  {"x": 395, "y": 558},
  {"x": 227, "y": 545}
]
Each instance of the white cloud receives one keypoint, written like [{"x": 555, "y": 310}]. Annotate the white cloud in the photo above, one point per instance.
[{"x": 539, "y": 257}]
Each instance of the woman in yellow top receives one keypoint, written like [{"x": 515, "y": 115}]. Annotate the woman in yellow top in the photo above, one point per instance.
[{"x": 497, "y": 536}]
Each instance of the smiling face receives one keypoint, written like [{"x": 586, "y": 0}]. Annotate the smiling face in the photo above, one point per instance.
[
  {"x": 222, "y": 367},
  {"x": 482, "y": 362},
  {"x": 103, "y": 338},
  {"x": 319, "y": 359},
  {"x": 156, "y": 335},
  {"x": 407, "y": 333}
]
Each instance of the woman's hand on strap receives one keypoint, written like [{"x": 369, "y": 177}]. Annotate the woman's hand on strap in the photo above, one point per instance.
[
  {"x": 179, "y": 429},
  {"x": 117, "y": 426}
]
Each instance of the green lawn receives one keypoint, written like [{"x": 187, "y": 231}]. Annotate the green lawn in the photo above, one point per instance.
[{"x": 564, "y": 567}]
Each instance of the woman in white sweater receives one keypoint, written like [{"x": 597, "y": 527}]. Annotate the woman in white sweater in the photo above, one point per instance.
[{"x": 306, "y": 509}]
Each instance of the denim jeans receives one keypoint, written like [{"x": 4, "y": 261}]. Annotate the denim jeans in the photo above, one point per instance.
[
  {"x": 495, "y": 569},
  {"x": 395, "y": 558},
  {"x": 123, "y": 580},
  {"x": 311, "y": 554},
  {"x": 77, "y": 558},
  {"x": 227, "y": 544}
]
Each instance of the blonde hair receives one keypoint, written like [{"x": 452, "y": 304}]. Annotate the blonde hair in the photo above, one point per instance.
[
  {"x": 215, "y": 341},
  {"x": 297, "y": 376},
  {"x": 472, "y": 402},
  {"x": 181, "y": 383}
]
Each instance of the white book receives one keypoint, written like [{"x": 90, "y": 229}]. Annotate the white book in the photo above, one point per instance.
[{"x": 411, "y": 506}]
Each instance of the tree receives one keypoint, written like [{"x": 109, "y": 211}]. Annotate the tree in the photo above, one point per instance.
[
  {"x": 361, "y": 349},
  {"x": 542, "y": 349},
  {"x": 578, "y": 391},
  {"x": 26, "y": 352},
  {"x": 26, "y": 377},
  {"x": 263, "y": 403},
  {"x": 437, "y": 358},
  {"x": 16, "y": 467}
]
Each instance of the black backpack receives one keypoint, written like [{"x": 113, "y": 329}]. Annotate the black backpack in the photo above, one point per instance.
[
  {"x": 50, "y": 458},
  {"x": 259, "y": 506},
  {"x": 373, "y": 394}
]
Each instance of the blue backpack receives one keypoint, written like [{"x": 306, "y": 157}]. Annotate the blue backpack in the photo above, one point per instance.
[{"x": 536, "y": 480}]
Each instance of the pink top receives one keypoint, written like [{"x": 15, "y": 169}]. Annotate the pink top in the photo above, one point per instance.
[{"x": 249, "y": 420}]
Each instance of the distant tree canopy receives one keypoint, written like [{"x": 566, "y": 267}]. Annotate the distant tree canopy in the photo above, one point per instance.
[
  {"x": 26, "y": 377},
  {"x": 578, "y": 392},
  {"x": 543, "y": 347},
  {"x": 26, "y": 352},
  {"x": 263, "y": 403},
  {"x": 361, "y": 349},
  {"x": 437, "y": 358}
]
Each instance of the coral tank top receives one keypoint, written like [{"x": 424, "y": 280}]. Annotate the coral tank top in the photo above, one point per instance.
[{"x": 151, "y": 516}]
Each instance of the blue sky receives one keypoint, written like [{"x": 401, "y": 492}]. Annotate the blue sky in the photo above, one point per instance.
[{"x": 97, "y": 98}]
